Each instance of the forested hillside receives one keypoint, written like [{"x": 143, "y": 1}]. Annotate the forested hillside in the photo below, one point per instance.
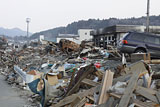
[{"x": 96, "y": 24}]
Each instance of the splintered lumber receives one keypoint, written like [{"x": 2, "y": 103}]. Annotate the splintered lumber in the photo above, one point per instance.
[
  {"x": 121, "y": 78},
  {"x": 131, "y": 85},
  {"x": 69, "y": 99},
  {"x": 71, "y": 81},
  {"x": 83, "y": 73},
  {"x": 158, "y": 96},
  {"x": 75, "y": 101},
  {"x": 80, "y": 103},
  {"x": 147, "y": 95},
  {"x": 153, "y": 92},
  {"x": 155, "y": 61},
  {"x": 90, "y": 82},
  {"x": 106, "y": 83},
  {"x": 115, "y": 95},
  {"x": 141, "y": 104},
  {"x": 109, "y": 103}
]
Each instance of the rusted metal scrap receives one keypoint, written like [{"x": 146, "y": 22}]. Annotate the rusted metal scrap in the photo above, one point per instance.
[{"x": 68, "y": 46}]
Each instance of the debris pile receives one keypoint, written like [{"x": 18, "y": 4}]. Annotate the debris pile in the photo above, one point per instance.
[{"x": 68, "y": 74}]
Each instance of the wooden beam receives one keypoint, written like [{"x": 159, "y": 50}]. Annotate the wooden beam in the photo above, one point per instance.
[
  {"x": 109, "y": 103},
  {"x": 129, "y": 90},
  {"x": 151, "y": 91},
  {"x": 106, "y": 83},
  {"x": 121, "y": 78},
  {"x": 69, "y": 99},
  {"x": 155, "y": 61},
  {"x": 115, "y": 95},
  {"x": 81, "y": 103},
  {"x": 90, "y": 82},
  {"x": 141, "y": 104},
  {"x": 80, "y": 76},
  {"x": 158, "y": 96},
  {"x": 147, "y": 95}
]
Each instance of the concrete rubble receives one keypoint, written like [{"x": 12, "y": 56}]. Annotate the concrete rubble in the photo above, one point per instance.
[{"x": 72, "y": 75}]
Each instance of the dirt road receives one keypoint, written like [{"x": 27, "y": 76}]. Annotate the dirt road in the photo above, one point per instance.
[{"x": 8, "y": 96}]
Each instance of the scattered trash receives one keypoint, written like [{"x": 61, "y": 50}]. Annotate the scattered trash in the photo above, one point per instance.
[{"x": 68, "y": 74}]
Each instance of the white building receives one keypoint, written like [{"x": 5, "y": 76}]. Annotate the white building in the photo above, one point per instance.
[
  {"x": 70, "y": 37},
  {"x": 84, "y": 34}
]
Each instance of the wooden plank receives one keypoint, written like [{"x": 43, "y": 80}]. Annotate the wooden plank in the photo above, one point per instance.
[
  {"x": 129, "y": 90},
  {"x": 130, "y": 69},
  {"x": 158, "y": 96},
  {"x": 81, "y": 103},
  {"x": 141, "y": 104},
  {"x": 109, "y": 103},
  {"x": 75, "y": 101},
  {"x": 71, "y": 81},
  {"x": 135, "y": 101},
  {"x": 89, "y": 69},
  {"x": 91, "y": 98},
  {"x": 107, "y": 82},
  {"x": 155, "y": 61},
  {"x": 121, "y": 78},
  {"x": 147, "y": 95},
  {"x": 149, "y": 56},
  {"x": 115, "y": 95},
  {"x": 90, "y": 82},
  {"x": 71, "y": 98},
  {"x": 153, "y": 92}
]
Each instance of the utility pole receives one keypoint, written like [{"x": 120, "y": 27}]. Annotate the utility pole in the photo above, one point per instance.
[
  {"x": 28, "y": 21},
  {"x": 147, "y": 24}
]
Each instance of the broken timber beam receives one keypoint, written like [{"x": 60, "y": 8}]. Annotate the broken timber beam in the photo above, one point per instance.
[
  {"x": 152, "y": 61},
  {"x": 131, "y": 85},
  {"x": 90, "y": 82},
  {"x": 69, "y": 99},
  {"x": 106, "y": 83},
  {"x": 147, "y": 95},
  {"x": 80, "y": 76}
]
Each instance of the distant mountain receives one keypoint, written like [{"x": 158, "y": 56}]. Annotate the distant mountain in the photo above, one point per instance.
[
  {"x": 96, "y": 24},
  {"x": 13, "y": 32}
]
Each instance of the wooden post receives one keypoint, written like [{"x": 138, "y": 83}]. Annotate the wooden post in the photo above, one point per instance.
[{"x": 106, "y": 83}]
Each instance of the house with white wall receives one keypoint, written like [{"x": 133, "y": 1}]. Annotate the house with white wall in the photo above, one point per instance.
[{"x": 84, "y": 34}]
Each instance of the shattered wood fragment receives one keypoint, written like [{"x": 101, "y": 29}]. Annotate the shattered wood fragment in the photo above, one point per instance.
[
  {"x": 147, "y": 95},
  {"x": 90, "y": 82},
  {"x": 83, "y": 73},
  {"x": 131, "y": 86},
  {"x": 71, "y": 81},
  {"x": 77, "y": 99},
  {"x": 69, "y": 99},
  {"x": 121, "y": 78},
  {"x": 109, "y": 103},
  {"x": 115, "y": 95},
  {"x": 106, "y": 83},
  {"x": 81, "y": 102},
  {"x": 90, "y": 98},
  {"x": 141, "y": 104},
  {"x": 68, "y": 46},
  {"x": 155, "y": 61},
  {"x": 158, "y": 96},
  {"x": 151, "y": 91}
]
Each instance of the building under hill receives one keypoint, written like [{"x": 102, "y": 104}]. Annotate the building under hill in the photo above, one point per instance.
[{"x": 112, "y": 34}]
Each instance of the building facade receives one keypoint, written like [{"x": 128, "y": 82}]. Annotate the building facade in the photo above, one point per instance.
[
  {"x": 83, "y": 34},
  {"x": 70, "y": 37},
  {"x": 113, "y": 34}
]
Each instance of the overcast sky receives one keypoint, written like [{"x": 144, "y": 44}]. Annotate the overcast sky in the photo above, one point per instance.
[{"x": 47, "y": 14}]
